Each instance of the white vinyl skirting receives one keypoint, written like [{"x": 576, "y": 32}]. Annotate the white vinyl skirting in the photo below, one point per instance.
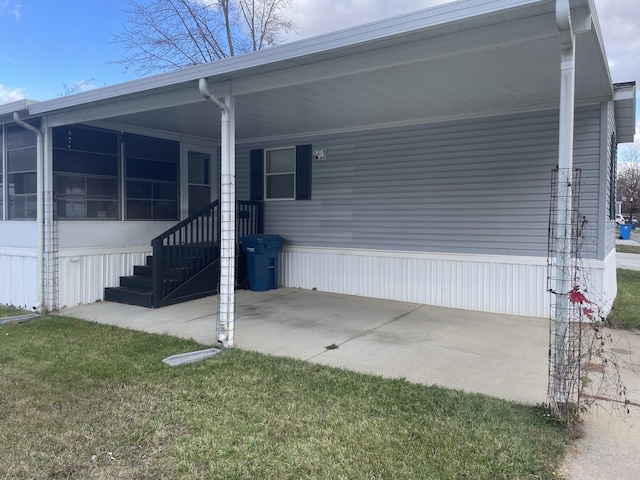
[{"x": 490, "y": 283}]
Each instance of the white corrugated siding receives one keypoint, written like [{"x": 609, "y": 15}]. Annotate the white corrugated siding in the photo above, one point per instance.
[
  {"x": 488, "y": 283},
  {"x": 85, "y": 273},
  {"x": 19, "y": 277}
]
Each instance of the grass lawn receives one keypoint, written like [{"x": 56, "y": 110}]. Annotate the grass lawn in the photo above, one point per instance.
[
  {"x": 625, "y": 312},
  {"x": 627, "y": 249},
  {"x": 81, "y": 400},
  {"x": 8, "y": 311}
]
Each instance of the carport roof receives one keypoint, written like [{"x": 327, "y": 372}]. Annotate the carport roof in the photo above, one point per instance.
[{"x": 459, "y": 60}]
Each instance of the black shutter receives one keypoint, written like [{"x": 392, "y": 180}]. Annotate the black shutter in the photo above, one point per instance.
[
  {"x": 303, "y": 172},
  {"x": 256, "y": 175}
]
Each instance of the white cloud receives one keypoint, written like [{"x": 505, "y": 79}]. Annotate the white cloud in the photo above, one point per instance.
[
  {"x": 10, "y": 94},
  {"x": 620, "y": 25},
  {"x": 11, "y": 8},
  {"x": 312, "y": 17}
]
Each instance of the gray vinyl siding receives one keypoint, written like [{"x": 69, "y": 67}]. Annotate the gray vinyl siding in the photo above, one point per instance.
[{"x": 472, "y": 186}]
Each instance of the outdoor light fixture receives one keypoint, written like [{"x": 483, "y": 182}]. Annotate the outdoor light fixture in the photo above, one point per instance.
[{"x": 320, "y": 154}]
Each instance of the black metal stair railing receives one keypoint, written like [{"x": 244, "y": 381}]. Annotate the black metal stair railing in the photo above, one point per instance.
[{"x": 186, "y": 258}]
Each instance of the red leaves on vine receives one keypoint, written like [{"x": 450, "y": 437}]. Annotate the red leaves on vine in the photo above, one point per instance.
[{"x": 576, "y": 296}]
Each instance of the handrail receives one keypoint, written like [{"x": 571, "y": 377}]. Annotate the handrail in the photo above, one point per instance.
[
  {"x": 189, "y": 247},
  {"x": 183, "y": 250},
  {"x": 186, "y": 221}
]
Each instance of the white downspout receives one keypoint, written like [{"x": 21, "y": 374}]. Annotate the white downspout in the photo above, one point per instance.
[
  {"x": 40, "y": 207},
  {"x": 564, "y": 189},
  {"x": 226, "y": 296}
]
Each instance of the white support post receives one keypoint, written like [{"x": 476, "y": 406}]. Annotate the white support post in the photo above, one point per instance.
[
  {"x": 226, "y": 295},
  {"x": 40, "y": 215},
  {"x": 225, "y": 326},
  {"x": 564, "y": 230}
]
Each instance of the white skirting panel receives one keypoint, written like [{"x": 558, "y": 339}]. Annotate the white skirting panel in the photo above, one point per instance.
[
  {"x": 488, "y": 283},
  {"x": 84, "y": 273},
  {"x": 19, "y": 277},
  {"x": 601, "y": 282}
]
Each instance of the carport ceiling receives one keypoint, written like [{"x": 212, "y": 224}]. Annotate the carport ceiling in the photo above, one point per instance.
[{"x": 497, "y": 62}]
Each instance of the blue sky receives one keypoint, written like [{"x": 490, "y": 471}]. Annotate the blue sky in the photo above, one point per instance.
[{"x": 49, "y": 44}]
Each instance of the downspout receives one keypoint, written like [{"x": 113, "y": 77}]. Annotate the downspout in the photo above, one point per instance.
[
  {"x": 40, "y": 207},
  {"x": 564, "y": 188},
  {"x": 225, "y": 326}
]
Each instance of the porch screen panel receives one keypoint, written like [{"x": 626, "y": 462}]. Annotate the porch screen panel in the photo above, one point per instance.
[
  {"x": 151, "y": 178},
  {"x": 85, "y": 165},
  {"x": 21, "y": 173}
]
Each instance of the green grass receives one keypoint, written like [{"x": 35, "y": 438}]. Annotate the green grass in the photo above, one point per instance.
[
  {"x": 70, "y": 390},
  {"x": 9, "y": 311},
  {"x": 627, "y": 249},
  {"x": 625, "y": 312}
]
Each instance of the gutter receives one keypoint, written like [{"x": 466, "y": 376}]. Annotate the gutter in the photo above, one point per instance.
[{"x": 40, "y": 207}]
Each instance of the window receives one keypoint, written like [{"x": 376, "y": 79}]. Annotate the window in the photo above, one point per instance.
[
  {"x": 85, "y": 166},
  {"x": 281, "y": 173},
  {"x": 151, "y": 178},
  {"x": 21, "y": 164},
  {"x": 198, "y": 180}
]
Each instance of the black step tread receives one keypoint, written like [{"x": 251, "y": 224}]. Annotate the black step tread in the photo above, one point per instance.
[
  {"x": 129, "y": 296},
  {"x": 138, "y": 282}
]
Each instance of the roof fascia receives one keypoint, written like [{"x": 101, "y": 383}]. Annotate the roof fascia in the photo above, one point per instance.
[
  {"x": 369, "y": 33},
  {"x": 624, "y": 98},
  {"x": 595, "y": 23},
  {"x": 20, "y": 106}
]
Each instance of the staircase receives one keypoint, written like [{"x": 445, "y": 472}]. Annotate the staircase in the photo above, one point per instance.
[{"x": 185, "y": 264}]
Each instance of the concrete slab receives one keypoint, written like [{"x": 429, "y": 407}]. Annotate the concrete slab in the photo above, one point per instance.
[
  {"x": 496, "y": 355},
  {"x": 609, "y": 447},
  {"x": 629, "y": 261}
]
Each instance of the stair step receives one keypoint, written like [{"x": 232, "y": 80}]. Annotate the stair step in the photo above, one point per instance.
[
  {"x": 137, "y": 282},
  {"x": 129, "y": 296},
  {"x": 143, "y": 270}
]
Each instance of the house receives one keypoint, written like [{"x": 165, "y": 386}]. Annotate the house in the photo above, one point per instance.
[{"x": 410, "y": 159}]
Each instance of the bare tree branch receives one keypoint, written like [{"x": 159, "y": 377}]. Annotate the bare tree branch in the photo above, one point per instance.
[
  {"x": 163, "y": 35},
  {"x": 629, "y": 180}
]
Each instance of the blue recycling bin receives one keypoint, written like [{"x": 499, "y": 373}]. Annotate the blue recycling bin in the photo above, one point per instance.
[
  {"x": 262, "y": 260},
  {"x": 625, "y": 231}
]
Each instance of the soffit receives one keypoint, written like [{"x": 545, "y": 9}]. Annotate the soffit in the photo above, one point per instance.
[{"x": 497, "y": 62}]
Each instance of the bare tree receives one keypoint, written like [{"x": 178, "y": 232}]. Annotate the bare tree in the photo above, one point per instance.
[
  {"x": 76, "y": 87},
  {"x": 629, "y": 180},
  {"x": 163, "y": 35}
]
